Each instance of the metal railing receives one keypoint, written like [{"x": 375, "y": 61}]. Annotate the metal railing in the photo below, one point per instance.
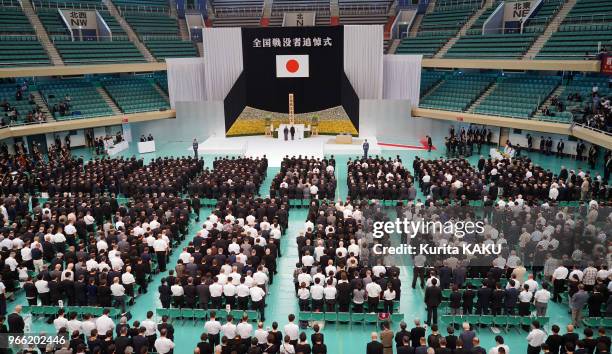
[
  {"x": 282, "y": 8},
  {"x": 221, "y": 12},
  {"x": 364, "y": 9},
  {"x": 582, "y": 125},
  {"x": 160, "y": 37},
  {"x": 68, "y": 5},
  {"x": 20, "y": 124},
  {"x": 595, "y": 18},
  {"x": 142, "y": 8},
  {"x": 10, "y": 3}
]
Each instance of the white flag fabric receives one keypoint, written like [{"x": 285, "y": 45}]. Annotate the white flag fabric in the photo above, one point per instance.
[{"x": 292, "y": 66}]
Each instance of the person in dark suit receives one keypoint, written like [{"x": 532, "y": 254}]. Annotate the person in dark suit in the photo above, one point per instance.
[
  {"x": 477, "y": 349},
  {"x": 429, "y": 143},
  {"x": 165, "y": 295},
  {"x": 286, "y": 133},
  {"x": 433, "y": 298},
  {"x": 140, "y": 341},
  {"x": 404, "y": 346},
  {"x": 195, "y": 147},
  {"x": 484, "y": 298},
  {"x": 15, "y": 321},
  {"x": 30, "y": 292},
  {"x": 399, "y": 336},
  {"x": 196, "y": 205},
  {"x": 374, "y": 347},
  {"x": 560, "y": 147},
  {"x": 366, "y": 147},
  {"x": 510, "y": 298},
  {"x": 417, "y": 333},
  {"x": 292, "y": 131}
]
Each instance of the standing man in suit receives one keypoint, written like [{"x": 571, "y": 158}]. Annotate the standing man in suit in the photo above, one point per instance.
[
  {"x": 433, "y": 298},
  {"x": 292, "y": 131},
  {"x": 386, "y": 337},
  {"x": 560, "y": 147},
  {"x": 374, "y": 347},
  {"x": 195, "y": 147},
  {"x": 366, "y": 147},
  {"x": 286, "y": 133},
  {"x": 429, "y": 143},
  {"x": 15, "y": 321}
]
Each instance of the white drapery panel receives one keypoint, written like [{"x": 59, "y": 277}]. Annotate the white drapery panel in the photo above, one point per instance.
[
  {"x": 363, "y": 59},
  {"x": 222, "y": 59},
  {"x": 402, "y": 77},
  {"x": 186, "y": 81}
]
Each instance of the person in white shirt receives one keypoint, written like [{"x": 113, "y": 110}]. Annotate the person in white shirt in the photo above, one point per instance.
[
  {"x": 42, "y": 288},
  {"x": 558, "y": 279},
  {"x": 128, "y": 280},
  {"x": 213, "y": 328},
  {"x": 178, "y": 293},
  {"x": 87, "y": 325},
  {"x": 229, "y": 292},
  {"x": 373, "y": 291},
  {"x": 216, "y": 291},
  {"x": 74, "y": 324},
  {"x": 531, "y": 283},
  {"x": 229, "y": 328},
  {"x": 330, "y": 292},
  {"x": 61, "y": 321},
  {"x": 303, "y": 295},
  {"x": 535, "y": 338},
  {"x": 499, "y": 343},
  {"x": 317, "y": 292},
  {"x": 525, "y": 297},
  {"x": 541, "y": 298},
  {"x": 104, "y": 323},
  {"x": 11, "y": 261},
  {"x": 292, "y": 330},
  {"x": 389, "y": 297},
  {"x": 260, "y": 278},
  {"x": 150, "y": 327},
  {"x": 261, "y": 334},
  {"x": 118, "y": 292},
  {"x": 160, "y": 246},
  {"x": 162, "y": 344},
  {"x": 258, "y": 300},
  {"x": 307, "y": 259},
  {"x": 244, "y": 329}
]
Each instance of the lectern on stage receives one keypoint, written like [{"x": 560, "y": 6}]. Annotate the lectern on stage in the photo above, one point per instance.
[{"x": 299, "y": 128}]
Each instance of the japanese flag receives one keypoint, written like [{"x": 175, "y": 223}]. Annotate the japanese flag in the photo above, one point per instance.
[{"x": 292, "y": 66}]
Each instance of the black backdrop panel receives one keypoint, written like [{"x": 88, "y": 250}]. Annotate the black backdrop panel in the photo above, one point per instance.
[
  {"x": 235, "y": 101},
  {"x": 321, "y": 90},
  {"x": 350, "y": 101}
]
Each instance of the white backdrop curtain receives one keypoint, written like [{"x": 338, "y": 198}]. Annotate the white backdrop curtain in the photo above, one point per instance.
[
  {"x": 186, "y": 81},
  {"x": 222, "y": 59},
  {"x": 402, "y": 77},
  {"x": 363, "y": 59}
]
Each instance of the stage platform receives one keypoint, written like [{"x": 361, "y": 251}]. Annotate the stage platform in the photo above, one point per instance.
[{"x": 275, "y": 149}]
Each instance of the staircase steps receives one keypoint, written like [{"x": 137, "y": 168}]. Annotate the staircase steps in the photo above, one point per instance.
[
  {"x": 41, "y": 33},
  {"x": 482, "y": 97},
  {"x": 467, "y": 25},
  {"x": 552, "y": 27},
  {"x": 109, "y": 101},
  {"x": 130, "y": 32}
]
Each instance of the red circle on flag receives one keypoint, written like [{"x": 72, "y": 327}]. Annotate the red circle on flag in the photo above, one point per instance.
[{"x": 292, "y": 65}]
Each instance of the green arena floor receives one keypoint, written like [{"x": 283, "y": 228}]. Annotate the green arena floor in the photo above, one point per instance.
[{"x": 340, "y": 338}]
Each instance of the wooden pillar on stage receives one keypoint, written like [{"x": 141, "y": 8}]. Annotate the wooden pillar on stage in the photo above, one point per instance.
[{"x": 291, "y": 109}]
